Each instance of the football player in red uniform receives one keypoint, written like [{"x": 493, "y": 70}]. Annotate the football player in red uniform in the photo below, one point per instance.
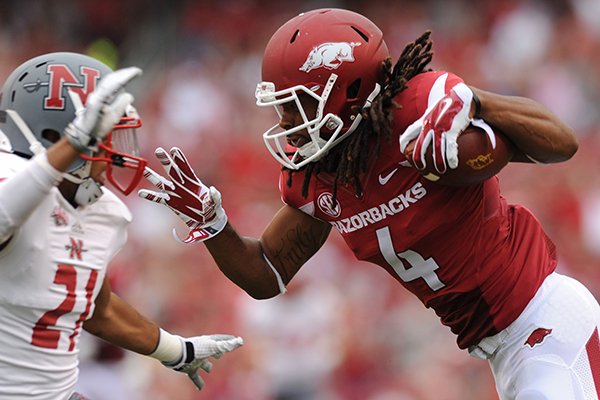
[
  {"x": 346, "y": 116},
  {"x": 66, "y": 122}
]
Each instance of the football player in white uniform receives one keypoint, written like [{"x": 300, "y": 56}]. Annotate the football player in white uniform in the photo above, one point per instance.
[{"x": 67, "y": 121}]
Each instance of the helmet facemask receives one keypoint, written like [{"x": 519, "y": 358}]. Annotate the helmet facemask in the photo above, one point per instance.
[
  {"x": 276, "y": 137},
  {"x": 121, "y": 150},
  {"x": 320, "y": 142}
]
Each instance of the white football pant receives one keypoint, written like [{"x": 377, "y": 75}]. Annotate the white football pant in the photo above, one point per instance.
[{"x": 552, "y": 351}]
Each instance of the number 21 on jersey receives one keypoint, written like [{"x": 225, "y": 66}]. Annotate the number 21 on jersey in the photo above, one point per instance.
[{"x": 45, "y": 333}]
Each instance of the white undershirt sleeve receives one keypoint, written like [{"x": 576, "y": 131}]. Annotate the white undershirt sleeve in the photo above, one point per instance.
[
  {"x": 23, "y": 192},
  {"x": 282, "y": 288}
]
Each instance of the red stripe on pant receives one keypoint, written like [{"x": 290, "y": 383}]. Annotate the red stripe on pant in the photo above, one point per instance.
[{"x": 592, "y": 348}]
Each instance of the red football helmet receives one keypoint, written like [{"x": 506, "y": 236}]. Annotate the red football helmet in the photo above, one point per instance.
[{"x": 335, "y": 56}]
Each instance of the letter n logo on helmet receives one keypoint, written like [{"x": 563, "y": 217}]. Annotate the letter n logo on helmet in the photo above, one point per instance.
[{"x": 62, "y": 77}]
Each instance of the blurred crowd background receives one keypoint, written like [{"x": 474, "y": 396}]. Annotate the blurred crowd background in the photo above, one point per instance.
[{"x": 345, "y": 330}]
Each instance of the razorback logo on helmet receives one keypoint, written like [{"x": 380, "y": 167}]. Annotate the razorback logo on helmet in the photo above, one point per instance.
[
  {"x": 62, "y": 77},
  {"x": 329, "y": 55},
  {"x": 537, "y": 337}
]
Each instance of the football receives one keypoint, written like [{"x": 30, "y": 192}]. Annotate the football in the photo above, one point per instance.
[{"x": 478, "y": 159}]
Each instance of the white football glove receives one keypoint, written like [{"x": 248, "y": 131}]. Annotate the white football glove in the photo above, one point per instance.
[
  {"x": 196, "y": 351},
  {"x": 196, "y": 204},
  {"x": 105, "y": 107},
  {"x": 439, "y": 127}
]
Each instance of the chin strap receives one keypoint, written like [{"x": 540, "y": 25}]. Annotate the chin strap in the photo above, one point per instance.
[
  {"x": 358, "y": 117},
  {"x": 5, "y": 143},
  {"x": 34, "y": 145},
  {"x": 312, "y": 147},
  {"x": 88, "y": 190}
]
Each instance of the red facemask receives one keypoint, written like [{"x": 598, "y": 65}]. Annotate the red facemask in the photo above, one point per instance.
[{"x": 121, "y": 150}]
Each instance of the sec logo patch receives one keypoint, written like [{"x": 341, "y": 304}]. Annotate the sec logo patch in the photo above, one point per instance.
[{"x": 325, "y": 203}]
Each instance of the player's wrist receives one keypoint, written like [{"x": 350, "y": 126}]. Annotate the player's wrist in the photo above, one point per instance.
[
  {"x": 475, "y": 105},
  {"x": 205, "y": 232},
  {"x": 169, "y": 349},
  {"x": 45, "y": 173},
  {"x": 210, "y": 229},
  {"x": 220, "y": 221},
  {"x": 79, "y": 139}
]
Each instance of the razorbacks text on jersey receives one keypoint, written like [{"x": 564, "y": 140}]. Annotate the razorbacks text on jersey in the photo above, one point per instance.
[
  {"x": 50, "y": 274},
  {"x": 463, "y": 251}
]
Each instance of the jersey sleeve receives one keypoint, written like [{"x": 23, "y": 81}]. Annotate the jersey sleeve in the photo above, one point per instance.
[
  {"x": 292, "y": 194},
  {"x": 10, "y": 165},
  {"x": 23, "y": 186}
]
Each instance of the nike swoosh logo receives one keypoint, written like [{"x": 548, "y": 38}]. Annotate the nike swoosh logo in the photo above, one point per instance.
[{"x": 384, "y": 179}]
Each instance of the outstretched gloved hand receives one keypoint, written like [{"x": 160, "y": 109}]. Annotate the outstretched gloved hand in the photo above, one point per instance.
[
  {"x": 196, "y": 351},
  {"x": 196, "y": 204}
]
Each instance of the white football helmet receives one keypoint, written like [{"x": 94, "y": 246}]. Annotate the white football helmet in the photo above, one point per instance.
[{"x": 41, "y": 97}]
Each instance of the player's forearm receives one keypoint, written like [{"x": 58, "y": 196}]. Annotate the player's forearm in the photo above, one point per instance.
[
  {"x": 534, "y": 129},
  {"x": 62, "y": 154},
  {"x": 241, "y": 259},
  {"x": 32, "y": 184},
  {"x": 120, "y": 324}
]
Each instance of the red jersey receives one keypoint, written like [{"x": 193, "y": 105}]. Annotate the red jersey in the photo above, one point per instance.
[{"x": 463, "y": 251}]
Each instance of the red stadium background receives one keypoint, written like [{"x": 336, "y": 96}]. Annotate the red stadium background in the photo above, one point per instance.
[{"x": 345, "y": 330}]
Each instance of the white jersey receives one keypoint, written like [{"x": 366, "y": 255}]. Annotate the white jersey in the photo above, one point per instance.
[{"x": 50, "y": 274}]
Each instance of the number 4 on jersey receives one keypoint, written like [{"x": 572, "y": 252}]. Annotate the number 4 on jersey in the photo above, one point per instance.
[{"x": 419, "y": 266}]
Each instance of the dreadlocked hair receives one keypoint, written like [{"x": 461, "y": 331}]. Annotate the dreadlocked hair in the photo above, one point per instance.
[{"x": 350, "y": 157}]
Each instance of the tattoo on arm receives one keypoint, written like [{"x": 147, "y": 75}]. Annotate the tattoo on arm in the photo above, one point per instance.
[{"x": 297, "y": 246}]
